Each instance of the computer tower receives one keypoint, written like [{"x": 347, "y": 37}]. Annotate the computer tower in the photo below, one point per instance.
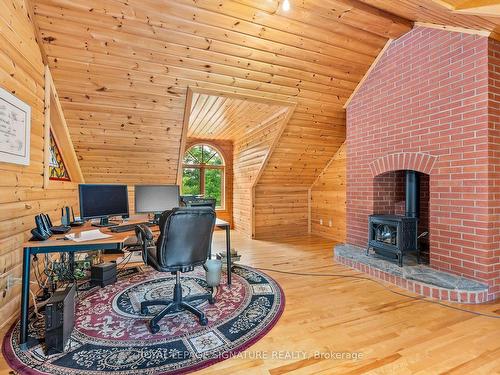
[{"x": 59, "y": 318}]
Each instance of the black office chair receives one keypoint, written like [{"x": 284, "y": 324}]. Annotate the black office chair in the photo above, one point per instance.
[{"x": 184, "y": 242}]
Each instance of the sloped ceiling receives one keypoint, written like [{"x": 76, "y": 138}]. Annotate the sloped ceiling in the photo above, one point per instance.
[
  {"x": 228, "y": 118},
  {"x": 122, "y": 69}
]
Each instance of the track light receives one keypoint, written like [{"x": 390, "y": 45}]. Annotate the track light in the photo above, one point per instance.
[{"x": 286, "y": 5}]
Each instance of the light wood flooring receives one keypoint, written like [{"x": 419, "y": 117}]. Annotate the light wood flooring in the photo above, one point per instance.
[{"x": 393, "y": 333}]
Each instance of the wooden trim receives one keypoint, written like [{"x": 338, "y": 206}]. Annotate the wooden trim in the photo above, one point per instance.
[
  {"x": 185, "y": 126},
  {"x": 231, "y": 94},
  {"x": 372, "y": 66},
  {"x": 309, "y": 211},
  {"x": 444, "y": 4},
  {"x": 205, "y": 166},
  {"x": 340, "y": 149},
  {"x": 46, "y": 128},
  {"x": 38, "y": 35},
  {"x": 60, "y": 132},
  {"x": 454, "y": 29},
  {"x": 252, "y": 205}
]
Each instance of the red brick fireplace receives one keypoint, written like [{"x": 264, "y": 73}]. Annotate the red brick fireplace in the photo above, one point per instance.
[{"x": 432, "y": 104}]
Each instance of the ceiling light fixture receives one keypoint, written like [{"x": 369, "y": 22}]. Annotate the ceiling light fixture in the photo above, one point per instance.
[{"x": 286, "y": 5}]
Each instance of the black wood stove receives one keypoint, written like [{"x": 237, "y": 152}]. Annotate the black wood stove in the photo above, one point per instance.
[{"x": 393, "y": 236}]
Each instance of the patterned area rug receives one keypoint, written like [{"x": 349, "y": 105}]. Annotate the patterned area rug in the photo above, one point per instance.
[{"x": 111, "y": 335}]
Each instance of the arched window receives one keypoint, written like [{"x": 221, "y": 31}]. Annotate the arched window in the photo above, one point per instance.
[{"x": 203, "y": 173}]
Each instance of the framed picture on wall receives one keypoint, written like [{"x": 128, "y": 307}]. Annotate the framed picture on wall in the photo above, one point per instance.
[{"x": 15, "y": 128}]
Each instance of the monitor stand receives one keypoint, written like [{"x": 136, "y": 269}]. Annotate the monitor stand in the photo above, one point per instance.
[
  {"x": 155, "y": 219},
  {"x": 104, "y": 222}
]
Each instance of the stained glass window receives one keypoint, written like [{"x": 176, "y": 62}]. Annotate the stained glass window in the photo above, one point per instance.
[{"x": 57, "y": 168}]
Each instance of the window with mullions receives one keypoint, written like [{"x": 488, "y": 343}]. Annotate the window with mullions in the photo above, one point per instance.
[{"x": 203, "y": 173}]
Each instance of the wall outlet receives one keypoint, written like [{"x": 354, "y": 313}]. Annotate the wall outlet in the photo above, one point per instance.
[
  {"x": 320, "y": 221},
  {"x": 330, "y": 223}
]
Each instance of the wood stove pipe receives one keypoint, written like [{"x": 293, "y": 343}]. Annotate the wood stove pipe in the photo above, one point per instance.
[{"x": 412, "y": 198}]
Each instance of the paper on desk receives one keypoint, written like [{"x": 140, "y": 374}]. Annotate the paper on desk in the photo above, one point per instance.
[{"x": 88, "y": 235}]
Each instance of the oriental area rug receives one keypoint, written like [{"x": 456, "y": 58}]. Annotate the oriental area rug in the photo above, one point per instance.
[{"x": 112, "y": 336}]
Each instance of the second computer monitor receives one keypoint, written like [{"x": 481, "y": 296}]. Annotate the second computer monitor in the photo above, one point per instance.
[{"x": 156, "y": 198}]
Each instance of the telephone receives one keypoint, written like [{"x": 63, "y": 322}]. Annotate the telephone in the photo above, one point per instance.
[
  {"x": 44, "y": 228},
  {"x": 42, "y": 231},
  {"x": 75, "y": 223}
]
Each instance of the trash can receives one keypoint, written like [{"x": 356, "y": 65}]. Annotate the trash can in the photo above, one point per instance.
[{"x": 213, "y": 269}]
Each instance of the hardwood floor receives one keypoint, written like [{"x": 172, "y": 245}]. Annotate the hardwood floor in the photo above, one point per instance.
[{"x": 323, "y": 315}]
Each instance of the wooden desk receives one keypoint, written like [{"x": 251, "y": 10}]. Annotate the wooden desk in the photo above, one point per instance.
[{"x": 56, "y": 244}]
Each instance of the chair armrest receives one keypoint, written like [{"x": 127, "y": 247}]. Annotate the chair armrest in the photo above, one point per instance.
[{"x": 144, "y": 239}]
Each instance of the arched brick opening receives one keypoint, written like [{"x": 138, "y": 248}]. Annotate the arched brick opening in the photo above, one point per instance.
[{"x": 415, "y": 161}]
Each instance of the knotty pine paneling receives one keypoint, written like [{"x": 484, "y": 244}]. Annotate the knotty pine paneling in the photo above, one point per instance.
[
  {"x": 22, "y": 195},
  {"x": 328, "y": 199},
  {"x": 220, "y": 117},
  {"x": 280, "y": 211},
  {"x": 122, "y": 71},
  {"x": 249, "y": 155}
]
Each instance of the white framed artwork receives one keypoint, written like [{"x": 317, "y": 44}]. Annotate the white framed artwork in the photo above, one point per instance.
[{"x": 15, "y": 129}]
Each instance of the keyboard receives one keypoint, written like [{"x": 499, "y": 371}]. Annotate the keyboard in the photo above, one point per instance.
[{"x": 127, "y": 227}]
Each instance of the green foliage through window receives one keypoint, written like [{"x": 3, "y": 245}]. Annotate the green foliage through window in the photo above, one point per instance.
[
  {"x": 191, "y": 181},
  {"x": 213, "y": 185},
  {"x": 203, "y": 173}
]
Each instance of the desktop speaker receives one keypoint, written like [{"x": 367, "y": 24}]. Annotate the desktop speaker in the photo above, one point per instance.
[{"x": 59, "y": 318}]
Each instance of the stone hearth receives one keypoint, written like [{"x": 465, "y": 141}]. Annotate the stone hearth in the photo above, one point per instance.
[{"x": 416, "y": 278}]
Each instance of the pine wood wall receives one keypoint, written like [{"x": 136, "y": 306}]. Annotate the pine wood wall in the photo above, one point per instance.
[
  {"x": 22, "y": 195},
  {"x": 280, "y": 211},
  {"x": 249, "y": 155},
  {"x": 328, "y": 199}
]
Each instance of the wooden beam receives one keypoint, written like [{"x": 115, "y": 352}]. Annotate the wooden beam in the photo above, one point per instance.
[
  {"x": 185, "y": 126},
  {"x": 454, "y": 29},
  {"x": 36, "y": 29},
  {"x": 473, "y": 7},
  {"x": 372, "y": 66}
]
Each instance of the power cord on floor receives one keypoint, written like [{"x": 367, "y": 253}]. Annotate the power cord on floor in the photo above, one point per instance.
[
  {"x": 123, "y": 263},
  {"x": 421, "y": 298}
]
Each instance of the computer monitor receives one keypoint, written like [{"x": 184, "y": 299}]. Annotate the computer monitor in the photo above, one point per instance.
[
  {"x": 103, "y": 202},
  {"x": 156, "y": 198},
  {"x": 202, "y": 202}
]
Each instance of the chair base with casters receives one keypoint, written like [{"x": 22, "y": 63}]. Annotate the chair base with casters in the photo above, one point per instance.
[{"x": 178, "y": 303}]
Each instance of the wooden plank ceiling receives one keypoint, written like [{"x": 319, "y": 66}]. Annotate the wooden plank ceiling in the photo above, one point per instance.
[
  {"x": 122, "y": 69},
  {"x": 441, "y": 12},
  {"x": 228, "y": 118}
]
